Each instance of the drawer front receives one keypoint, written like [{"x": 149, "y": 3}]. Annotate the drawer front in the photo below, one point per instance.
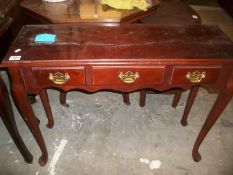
[
  {"x": 50, "y": 76},
  {"x": 195, "y": 74},
  {"x": 128, "y": 75}
]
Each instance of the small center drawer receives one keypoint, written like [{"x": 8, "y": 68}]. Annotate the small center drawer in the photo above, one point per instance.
[
  {"x": 195, "y": 74},
  {"x": 114, "y": 75},
  {"x": 51, "y": 76}
]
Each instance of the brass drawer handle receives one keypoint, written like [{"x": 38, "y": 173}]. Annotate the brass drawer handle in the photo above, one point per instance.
[
  {"x": 59, "y": 78},
  {"x": 129, "y": 77},
  {"x": 195, "y": 77}
]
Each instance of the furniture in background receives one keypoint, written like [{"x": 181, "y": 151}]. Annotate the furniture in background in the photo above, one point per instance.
[
  {"x": 159, "y": 57},
  {"x": 5, "y": 24},
  {"x": 11, "y": 8},
  {"x": 6, "y": 111},
  {"x": 82, "y": 11},
  {"x": 227, "y": 5}
]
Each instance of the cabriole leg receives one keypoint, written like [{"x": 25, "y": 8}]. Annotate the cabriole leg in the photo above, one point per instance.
[
  {"x": 24, "y": 106},
  {"x": 220, "y": 104}
]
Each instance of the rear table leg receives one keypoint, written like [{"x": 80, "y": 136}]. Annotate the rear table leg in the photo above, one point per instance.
[
  {"x": 142, "y": 100},
  {"x": 63, "y": 96},
  {"x": 45, "y": 101},
  {"x": 176, "y": 99},
  {"x": 192, "y": 95},
  {"x": 125, "y": 96}
]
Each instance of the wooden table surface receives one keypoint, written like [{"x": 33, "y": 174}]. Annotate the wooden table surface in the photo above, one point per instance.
[
  {"x": 78, "y": 11},
  {"x": 84, "y": 42}
]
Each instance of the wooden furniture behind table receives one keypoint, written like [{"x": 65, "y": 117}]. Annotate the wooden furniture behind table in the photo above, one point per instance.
[
  {"x": 227, "y": 5},
  {"x": 6, "y": 112},
  {"x": 11, "y": 8},
  {"x": 82, "y": 11},
  {"x": 125, "y": 59},
  {"x": 5, "y": 24}
]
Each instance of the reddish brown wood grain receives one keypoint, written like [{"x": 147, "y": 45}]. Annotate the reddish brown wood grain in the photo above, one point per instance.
[
  {"x": 179, "y": 74},
  {"x": 109, "y": 75},
  {"x": 41, "y": 75}
]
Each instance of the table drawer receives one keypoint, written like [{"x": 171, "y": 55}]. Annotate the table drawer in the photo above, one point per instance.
[
  {"x": 128, "y": 75},
  {"x": 50, "y": 76},
  {"x": 195, "y": 74}
]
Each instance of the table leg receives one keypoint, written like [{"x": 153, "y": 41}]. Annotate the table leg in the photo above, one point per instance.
[
  {"x": 6, "y": 112},
  {"x": 175, "y": 102},
  {"x": 125, "y": 96},
  {"x": 21, "y": 100},
  {"x": 63, "y": 96},
  {"x": 142, "y": 100},
  {"x": 176, "y": 99},
  {"x": 45, "y": 101},
  {"x": 192, "y": 95},
  {"x": 221, "y": 102}
]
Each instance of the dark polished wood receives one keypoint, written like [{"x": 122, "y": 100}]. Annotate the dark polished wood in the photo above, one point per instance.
[
  {"x": 5, "y": 5},
  {"x": 126, "y": 98},
  {"x": 177, "y": 96},
  {"x": 190, "y": 100},
  {"x": 227, "y": 5},
  {"x": 20, "y": 96},
  {"x": 5, "y": 24},
  {"x": 172, "y": 11},
  {"x": 11, "y": 8},
  {"x": 63, "y": 96},
  {"x": 142, "y": 100},
  {"x": 124, "y": 59},
  {"x": 44, "y": 99},
  {"x": 6, "y": 113},
  {"x": 76, "y": 11},
  {"x": 221, "y": 102}
]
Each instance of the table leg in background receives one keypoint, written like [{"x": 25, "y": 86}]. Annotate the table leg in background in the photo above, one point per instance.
[{"x": 7, "y": 115}]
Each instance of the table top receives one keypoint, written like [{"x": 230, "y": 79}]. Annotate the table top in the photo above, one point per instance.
[
  {"x": 135, "y": 41},
  {"x": 81, "y": 11}
]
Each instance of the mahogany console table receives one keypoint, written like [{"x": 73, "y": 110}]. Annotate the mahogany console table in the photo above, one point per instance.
[{"x": 125, "y": 58}]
